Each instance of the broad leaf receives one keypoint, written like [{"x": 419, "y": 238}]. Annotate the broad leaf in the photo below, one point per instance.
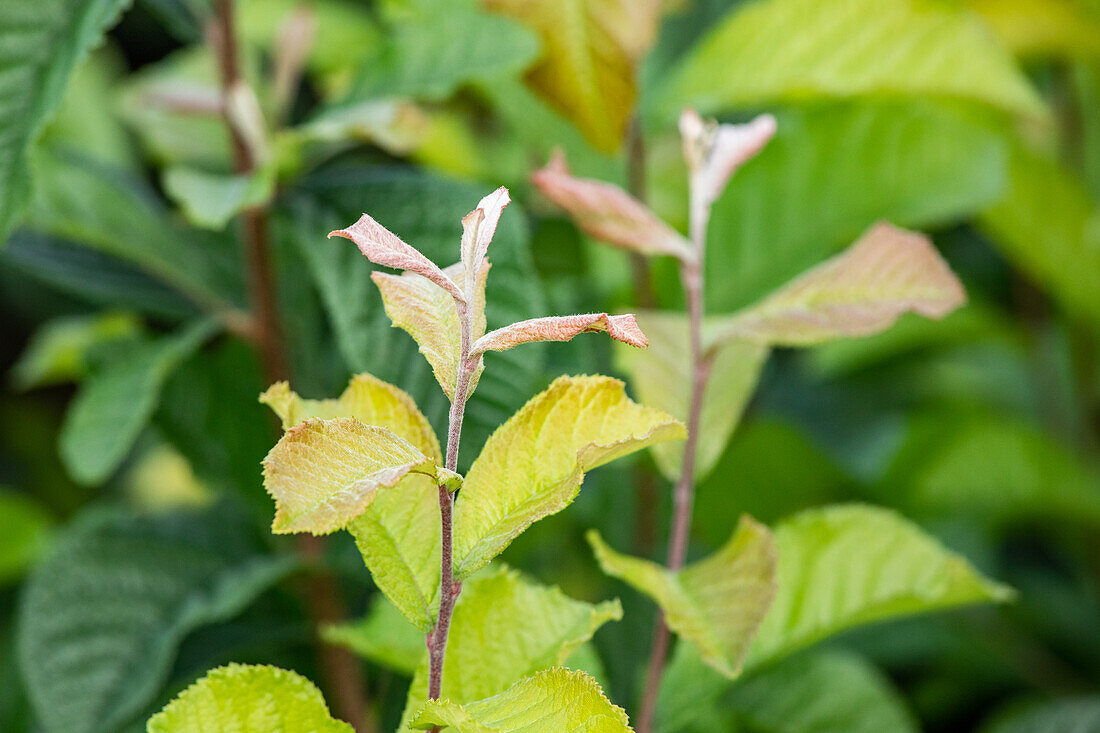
[
  {"x": 779, "y": 50},
  {"x": 590, "y": 48},
  {"x": 1063, "y": 715},
  {"x": 211, "y": 200},
  {"x": 399, "y": 533},
  {"x": 829, "y": 173},
  {"x": 59, "y": 350},
  {"x": 133, "y": 588},
  {"x": 533, "y": 465},
  {"x": 42, "y": 42},
  {"x": 827, "y": 691},
  {"x": 561, "y": 328},
  {"x": 1049, "y": 226},
  {"x": 242, "y": 698},
  {"x": 116, "y": 402},
  {"x": 24, "y": 527},
  {"x": 325, "y": 473},
  {"x": 716, "y": 603},
  {"x": 433, "y": 55},
  {"x": 609, "y": 214},
  {"x": 662, "y": 376},
  {"x": 383, "y": 636},
  {"x": 888, "y": 272},
  {"x": 428, "y": 313},
  {"x": 532, "y": 627},
  {"x": 843, "y": 566},
  {"x": 1042, "y": 27},
  {"x": 548, "y": 702}
]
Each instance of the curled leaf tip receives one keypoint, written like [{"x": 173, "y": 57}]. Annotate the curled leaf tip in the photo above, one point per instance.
[
  {"x": 478, "y": 229},
  {"x": 562, "y": 328},
  {"x": 714, "y": 152}
]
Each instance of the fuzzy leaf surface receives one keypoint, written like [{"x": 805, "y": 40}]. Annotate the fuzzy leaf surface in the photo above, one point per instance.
[
  {"x": 239, "y": 698},
  {"x": 548, "y": 702},
  {"x": 846, "y": 565},
  {"x": 533, "y": 465},
  {"x": 561, "y": 328},
  {"x": 888, "y": 272},
  {"x": 504, "y": 628},
  {"x": 398, "y": 535},
  {"x": 717, "y": 603},
  {"x": 662, "y": 376},
  {"x": 780, "y": 50}
]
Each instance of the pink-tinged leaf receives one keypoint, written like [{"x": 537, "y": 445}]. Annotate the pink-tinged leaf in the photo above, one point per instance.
[
  {"x": 561, "y": 328},
  {"x": 860, "y": 292},
  {"x": 383, "y": 247},
  {"x": 478, "y": 228},
  {"x": 715, "y": 152},
  {"x": 608, "y": 213}
]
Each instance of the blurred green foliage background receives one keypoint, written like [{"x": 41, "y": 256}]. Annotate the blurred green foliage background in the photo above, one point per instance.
[{"x": 134, "y": 551}]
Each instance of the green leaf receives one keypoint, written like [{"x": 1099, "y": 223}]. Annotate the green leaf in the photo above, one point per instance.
[
  {"x": 532, "y": 627},
  {"x": 1042, "y": 27},
  {"x": 828, "y": 691},
  {"x": 862, "y": 291},
  {"x": 384, "y": 636},
  {"x": 548, "y": 702},
  {"x": 433, "y": 55},
  {"x": 590, "y": 48},
  {"x": 847, "y": 565},
  {"x": 58, "y": 351},
  {"x": 425, "y": 211},
  {"x": 399, "y": 535},
  {"x": 325, "y": 473},
  {"x": 43, "y": 43},
  {"x": 794, "y": 50},
  {"x": 1065, "y": 715},
  {"x": 242, "y": 698},
  {"x": 211, "y": 200},
  {"x": 716, "y": 603},
  {"x": 24, "y": 526},
  {"x": 832, "y": 171},
  {"x": 102, "y": 616},
  {"x": 533, "y": 465},
  {"x": 1049, "y": 227},
  {"x": 114, "y": 404},
  {"x": 662, "y": 376}
]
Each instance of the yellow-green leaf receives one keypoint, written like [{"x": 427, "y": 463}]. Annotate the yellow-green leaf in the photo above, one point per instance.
[
  {"x": 324, "y": 473},
  {"x": 548, "y": 702},
  {"x": 532, "y": 627},
  {"x": 242, "y": 698},
  {"x": 1042, "y": 27},
  {"x": 662, "y": 376},
  {"x": 398, "y": 535},
  {"x": 847, "y": 565},
  {"x": 590, "y": 50},
  {"x": 860, "y": 292},
  {"x": 429, "y": 314},
  {"x": 789, "y": 50},
  {"x": 717, "y": 603},
  {"x": 532, "y": 465}
]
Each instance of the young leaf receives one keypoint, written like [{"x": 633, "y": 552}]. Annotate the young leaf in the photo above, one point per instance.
[
  {"x": 240, "y": 698},
  {"x": 561, "y": 328},
  {"x": 383, "y": 247},
  {"x": 532, "y": 626},
  {"x": 717, "y": 603},
  {"x": 590, "y": 48},
  {"x": 429, "y": 314},
  {"x": 114, "y": 404},
  {"x": 714, "y": 153},
  {"x": 548, "y": 702},
  {"x": 846, "y": 565},
  {"x": 859, "y": 292},
  {"x": 134, "y": 587},
  {"x": 609, "y": 214},
  {"x": 211, "y": 200},
  {"x": 533, "y": 465},
  {"x": 478, "y": 228},
  {"x": 778, "y": 50},
  {"x": 43, "y": 43},
  {"x": 662, "y": 375},
  {"x": 398, "y": 535},
  {"x": 383, "y": 636},
  {"x": 324, "y": 473}
]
